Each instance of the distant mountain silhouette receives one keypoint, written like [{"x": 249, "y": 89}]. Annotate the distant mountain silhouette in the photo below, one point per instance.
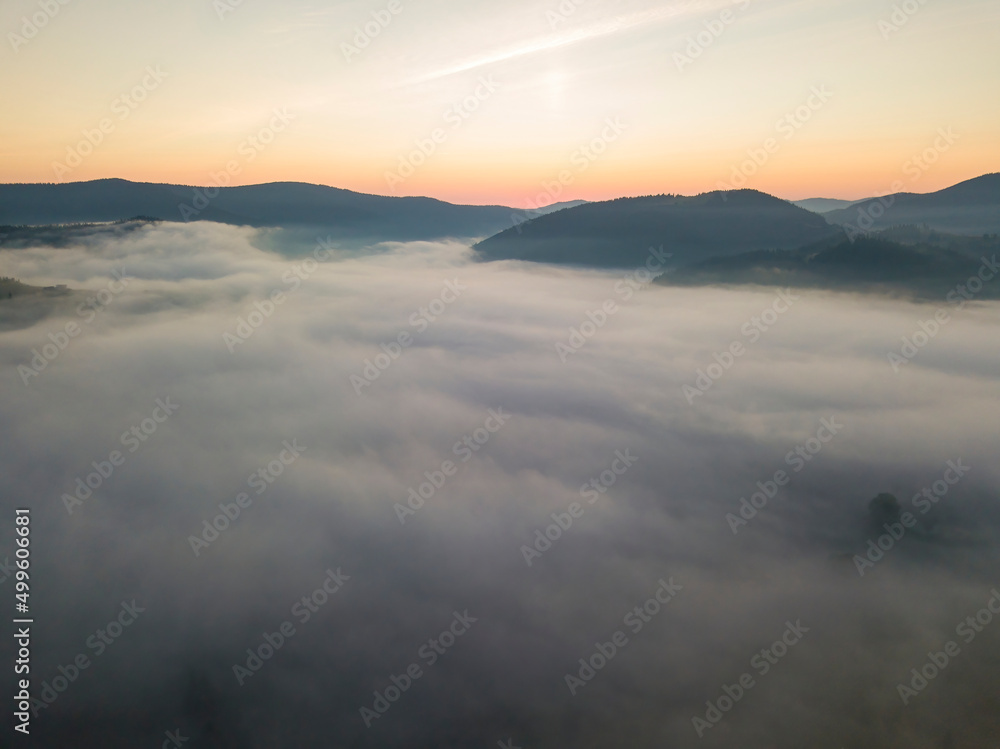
[
  {"x": 618, "y": 233},
  {"x": 553, "y": 207},
  {"x": 822, "y": 205},
  {"x": 970, "y": 207},
  {"x": 928, "y": 266},
  {"x": 285, "y": 204}
]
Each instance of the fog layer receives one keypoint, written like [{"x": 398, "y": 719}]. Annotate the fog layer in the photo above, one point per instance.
[{"x": 311, "y": 394}]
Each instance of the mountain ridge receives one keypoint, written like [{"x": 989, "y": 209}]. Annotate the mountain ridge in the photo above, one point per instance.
[
  {"x": 968, "y": 207},
  {"x": 284, "y": 204},
  {"x": 618, "y": 232}
]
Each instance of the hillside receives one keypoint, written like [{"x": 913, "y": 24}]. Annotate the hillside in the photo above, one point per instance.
[
  {"x": 618, "y": 233},
  {"x": 970, "y": 207},
  {"x": 66, "y": 235},
  {"x": 23, "y": 305},
  {"x": 930, "y": 265},
  {"x": 285, "y": 204}
]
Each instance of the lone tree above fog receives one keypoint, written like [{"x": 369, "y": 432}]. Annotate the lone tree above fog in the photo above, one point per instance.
[{"x": 884, "y": 508}]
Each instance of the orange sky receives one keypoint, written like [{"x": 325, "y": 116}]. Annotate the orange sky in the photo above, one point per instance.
[{"x": 515, "y": 103}]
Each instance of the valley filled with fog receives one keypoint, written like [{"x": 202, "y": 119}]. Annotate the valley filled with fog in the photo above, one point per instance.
[{"x": 496, "y": 469}]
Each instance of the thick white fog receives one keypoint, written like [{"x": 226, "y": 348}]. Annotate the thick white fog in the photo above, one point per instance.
[{"x": 555, "y": 490}]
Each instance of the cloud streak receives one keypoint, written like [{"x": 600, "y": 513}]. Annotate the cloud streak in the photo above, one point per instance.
[{"x": 548, "y": 42}]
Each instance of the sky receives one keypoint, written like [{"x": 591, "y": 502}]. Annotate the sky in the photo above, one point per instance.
[{"x": 517, "y": 103}]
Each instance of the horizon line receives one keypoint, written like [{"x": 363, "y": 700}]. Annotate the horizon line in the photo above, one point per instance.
[{"x": 500, "y": 205}]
